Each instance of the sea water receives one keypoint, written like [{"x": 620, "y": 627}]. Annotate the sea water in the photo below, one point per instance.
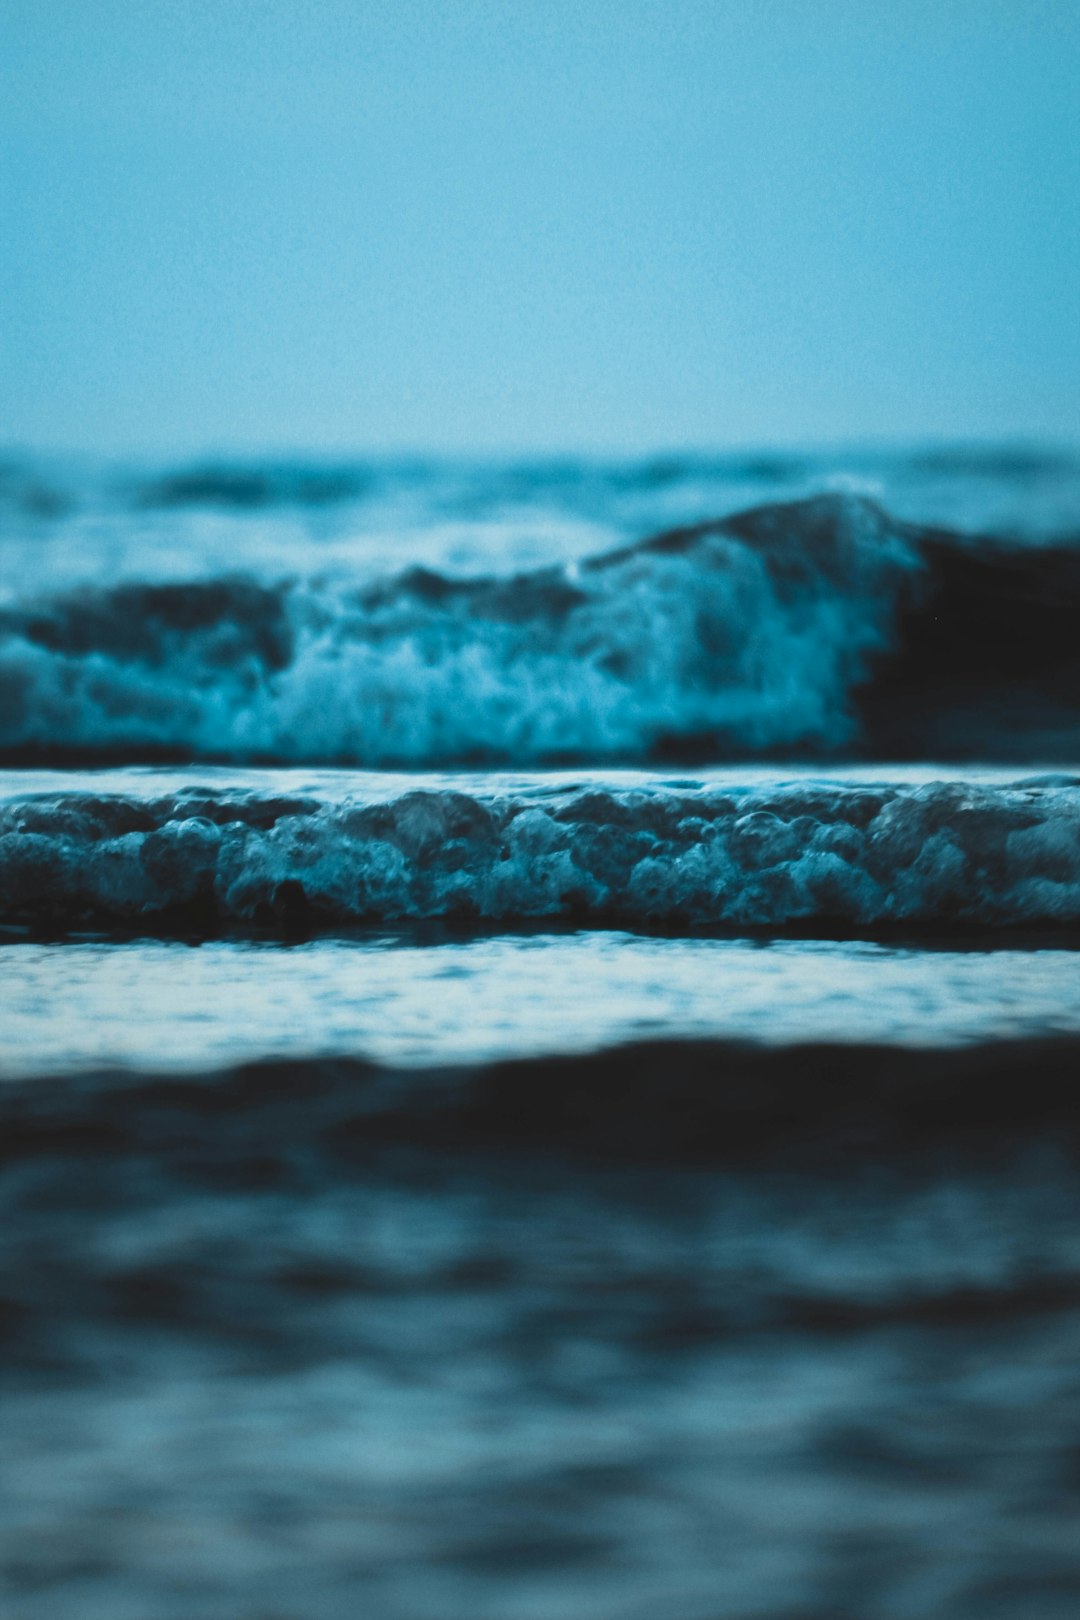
[{"x": 539, "y": 1033}]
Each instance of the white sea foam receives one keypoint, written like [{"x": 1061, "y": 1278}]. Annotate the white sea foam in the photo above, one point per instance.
[
  {"x": 805, "y": 855},
  {"x": 753, "y": 641}
]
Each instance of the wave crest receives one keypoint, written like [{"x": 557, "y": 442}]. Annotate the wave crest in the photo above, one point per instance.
[
  {"x": 821, "y": 628},
  {"x": 740, "y": 637},
  {"x": 818, "y": 858}
]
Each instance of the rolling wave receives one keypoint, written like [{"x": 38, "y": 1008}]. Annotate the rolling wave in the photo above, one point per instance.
[
  {"x": 815, "y": 858},
  {"x": 707, "y": 1102},
  {"x": 820, "y": 628}
]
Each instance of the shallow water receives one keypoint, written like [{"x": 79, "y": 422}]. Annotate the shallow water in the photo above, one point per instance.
[
  {"x": 522, "y": 1397},
  {"x": 152, "y": 1004},
  {"x": 265, "y": 1360}
]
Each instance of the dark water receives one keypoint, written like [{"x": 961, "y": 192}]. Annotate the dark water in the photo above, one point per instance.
[
  {"x": 699, "y": 1327},
  {"x": 540, "y": 1039}
]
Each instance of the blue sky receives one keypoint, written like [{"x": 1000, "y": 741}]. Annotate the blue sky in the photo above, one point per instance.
[{"x": 548, "y": 225}]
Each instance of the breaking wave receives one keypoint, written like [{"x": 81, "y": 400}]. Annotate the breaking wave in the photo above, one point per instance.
[
  {"x": 813, "y": 857},
  {"x": 822, "y": 628}
]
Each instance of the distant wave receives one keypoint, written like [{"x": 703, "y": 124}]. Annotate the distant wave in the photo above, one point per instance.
[
  {"x": 811, "y": 858},
  {"x": 820, "y": 628},
  {"x": 254, "y": 486}
]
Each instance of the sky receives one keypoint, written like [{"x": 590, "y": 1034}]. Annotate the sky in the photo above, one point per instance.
[{"x": 610, "y": 225}]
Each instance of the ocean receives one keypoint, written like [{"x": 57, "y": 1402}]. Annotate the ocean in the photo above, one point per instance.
[{"x": 540, "y": 1034}]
